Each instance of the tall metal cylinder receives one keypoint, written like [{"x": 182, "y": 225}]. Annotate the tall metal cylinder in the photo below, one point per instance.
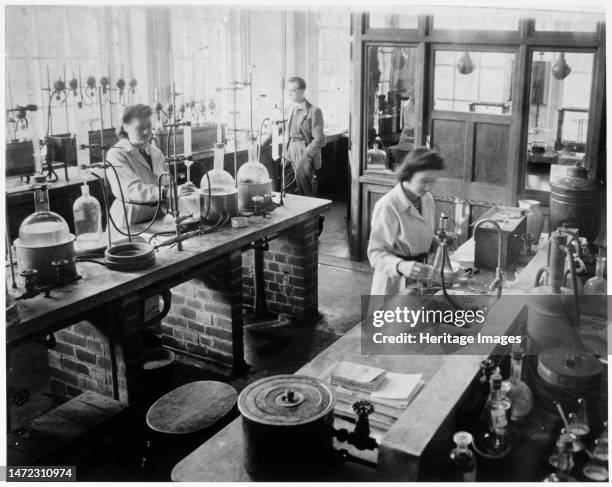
[{"x": 574, "y": 201}]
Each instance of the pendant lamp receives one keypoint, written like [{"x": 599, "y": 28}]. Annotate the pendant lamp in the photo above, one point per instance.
[
  {"x": 561, "y": 69},
  {"x": 465, "y": 65}
]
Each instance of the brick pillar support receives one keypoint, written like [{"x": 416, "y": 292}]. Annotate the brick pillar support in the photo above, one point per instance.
[
  {"x": 205, "y": 320},
  {"x": 103, "y": 354},
  {"x": 290, "y": 272}
]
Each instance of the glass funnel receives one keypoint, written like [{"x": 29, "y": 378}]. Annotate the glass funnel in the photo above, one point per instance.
[{"x": 43, "y": 227}]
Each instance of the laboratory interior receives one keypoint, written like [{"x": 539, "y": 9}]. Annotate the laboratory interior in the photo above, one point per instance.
[{"x": 208, "y": 208}]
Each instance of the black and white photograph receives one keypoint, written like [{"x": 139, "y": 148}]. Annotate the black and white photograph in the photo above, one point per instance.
[{"x": 284, "y": 242}]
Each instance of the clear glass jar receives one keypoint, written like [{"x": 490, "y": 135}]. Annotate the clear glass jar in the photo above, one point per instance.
[{"x": 87, "y": 220}]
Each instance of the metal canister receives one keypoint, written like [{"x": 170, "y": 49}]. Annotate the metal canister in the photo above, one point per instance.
[
  {"x": 574, "y": 201},
  {"x": 287, "y": 423}
]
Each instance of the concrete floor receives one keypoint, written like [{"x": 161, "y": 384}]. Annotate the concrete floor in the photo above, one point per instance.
[{"x": 281, "y": 347}]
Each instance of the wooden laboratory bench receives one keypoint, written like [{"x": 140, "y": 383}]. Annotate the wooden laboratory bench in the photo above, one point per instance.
[
  {"x": 113, "y": 301},
  {"x": 411, "y": 449}
]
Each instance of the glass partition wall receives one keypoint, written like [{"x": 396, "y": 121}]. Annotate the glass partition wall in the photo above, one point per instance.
[{"x": 559, "y": 100}]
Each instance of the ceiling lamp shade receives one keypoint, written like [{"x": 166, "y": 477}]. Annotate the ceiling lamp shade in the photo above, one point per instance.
[
  {"x": 561, "y": 69},
  {"x": 465, "y": 65}
]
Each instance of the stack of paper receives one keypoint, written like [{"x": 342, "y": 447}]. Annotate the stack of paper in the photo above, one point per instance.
[
  {"x": 357, "y": 377},
  {"x": 398, "y": 389},
  {"x": 389, "y": 401}
]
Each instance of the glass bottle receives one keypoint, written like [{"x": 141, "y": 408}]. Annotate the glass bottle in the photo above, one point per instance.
[
  {"x": 87, "y": 220},
  {"x": 441, "y": 259},
  {"x": 494, "y": 440},
  {"x": 597, "y": 284},
  {"x": 519, "y": 394},
  {"x": 565, "y": 461},
  {"x": 468, "y": 415},
  {"x": 462, "y": 459}
]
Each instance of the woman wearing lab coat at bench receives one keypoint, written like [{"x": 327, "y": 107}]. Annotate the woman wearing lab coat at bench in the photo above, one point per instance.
[
  {"x": 403, "y": 224},
  {"x": 138, "y": 164}
]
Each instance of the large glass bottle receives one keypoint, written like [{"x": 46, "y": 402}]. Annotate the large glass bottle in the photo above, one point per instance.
[
  {"x": 468, "y": 415},
  {"x": 493, "y": 438},
  {"x": 519, "y": 394},
  {"x": 87, "y": 220},
  {"x": 462, "y": 460}
]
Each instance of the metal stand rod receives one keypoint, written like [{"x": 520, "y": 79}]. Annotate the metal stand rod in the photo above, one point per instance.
[
  {"x": 235, "y": 136},
  {"x": 10, "y": 252},
  {"x": 103, "y": 160},
  {"x": 67, "y": 126}
]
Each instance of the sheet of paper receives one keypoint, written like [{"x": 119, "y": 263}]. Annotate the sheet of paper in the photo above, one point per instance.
[
  {"x": 397, "y": 386},
  {"x": 357, "y": 373}
]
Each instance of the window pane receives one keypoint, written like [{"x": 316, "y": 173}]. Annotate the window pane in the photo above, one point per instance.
[
  {"x": 390, "y": 105},
  {"x": 334, "y": 69},
  {"x": 385, "y": 21},
  {"x": 567, "y": 21},
  {"x": 558, "y": 114},
  {"x": 477, "y": 82},
  {"x": 461, "y": 18}
]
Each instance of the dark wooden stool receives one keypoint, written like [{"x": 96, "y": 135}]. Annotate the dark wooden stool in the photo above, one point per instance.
[{"x": 183, "y": 419}]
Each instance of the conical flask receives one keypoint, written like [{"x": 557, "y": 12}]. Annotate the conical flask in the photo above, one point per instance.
[{"x": 441, "y": 260}]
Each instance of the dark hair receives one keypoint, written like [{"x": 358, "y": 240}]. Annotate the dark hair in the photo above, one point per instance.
[
  {"x": 132, "y": 112},
  {"x": 300, "y": 82},
  {"x": 419, "y": 159}
]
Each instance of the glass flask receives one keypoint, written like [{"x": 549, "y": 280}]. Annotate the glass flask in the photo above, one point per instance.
[
  {"x": 600, "y": 452},
  {"x": 462, "y": 460},
  {"x": 221, "y": 182},
  {"x": 519, "y": 394},
  {"x": 565, "y": 460},
  {"x": 441, "y": 259},
  {"x": 253, "y": 172},
  {"x": 87, "y": 220},
  {"x": 222, "y": 187},
  {"x": 597, "y": 284},
  {"x": 43, "y": 227}
]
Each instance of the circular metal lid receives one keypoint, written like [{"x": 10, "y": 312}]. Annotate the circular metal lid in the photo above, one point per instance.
[
  {"x": 286, "y": 400},
  {"x": 554, "y": 368}
]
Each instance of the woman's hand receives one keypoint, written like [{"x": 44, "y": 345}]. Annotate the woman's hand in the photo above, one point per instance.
[{"x": 414, "y": 270}]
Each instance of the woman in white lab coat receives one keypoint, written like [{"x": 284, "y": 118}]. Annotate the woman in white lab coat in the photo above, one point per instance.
[
  {"x": 403, "y": 224},
  {"x": 138, "y": 165}
]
